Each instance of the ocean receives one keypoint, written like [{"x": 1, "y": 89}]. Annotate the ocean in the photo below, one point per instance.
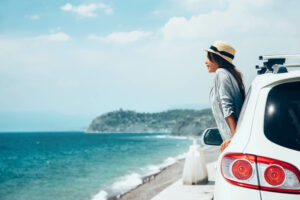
[{"x": 79, "y": 166}]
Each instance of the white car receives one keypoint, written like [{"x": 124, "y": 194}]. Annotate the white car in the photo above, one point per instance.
[{"x": 263, "y": 159}]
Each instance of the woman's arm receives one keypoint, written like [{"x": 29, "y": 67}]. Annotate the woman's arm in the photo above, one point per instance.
[
  {"x": 225, "y": 91},
  {"x": 231, "y": 123}
]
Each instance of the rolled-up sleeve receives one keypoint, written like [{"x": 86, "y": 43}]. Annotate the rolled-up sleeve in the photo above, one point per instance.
[{"x": 224, "y": 87}]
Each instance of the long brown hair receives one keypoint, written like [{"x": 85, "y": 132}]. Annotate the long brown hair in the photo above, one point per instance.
[{"x": 222, "y": 63}]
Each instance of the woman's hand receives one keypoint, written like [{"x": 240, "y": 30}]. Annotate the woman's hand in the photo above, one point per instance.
[{"x": 225, "y": 144}]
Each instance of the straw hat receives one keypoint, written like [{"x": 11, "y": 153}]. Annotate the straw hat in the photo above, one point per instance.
[{"x": 222, "y": 49}]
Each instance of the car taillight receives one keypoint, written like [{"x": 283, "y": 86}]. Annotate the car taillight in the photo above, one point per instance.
[
  {"x": 242, "y": 169},
  {"x": 274, "y": 175},
  {"x": 279, "y": 176},
  {"x": 239, "y": 169},
  {"x": 260, "y": 173}
]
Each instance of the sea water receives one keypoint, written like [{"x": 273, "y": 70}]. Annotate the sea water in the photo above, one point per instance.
[{"x": 79, "y": 166}]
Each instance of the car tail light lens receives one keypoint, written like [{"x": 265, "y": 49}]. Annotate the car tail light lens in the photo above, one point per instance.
[
  {"x": 274, "y": 175},
  {"x": 260, "y": 173},
  {"x": 242, "y": 169}
]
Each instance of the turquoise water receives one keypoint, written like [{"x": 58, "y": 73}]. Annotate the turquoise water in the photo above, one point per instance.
[{"x": 78, "y": 166}]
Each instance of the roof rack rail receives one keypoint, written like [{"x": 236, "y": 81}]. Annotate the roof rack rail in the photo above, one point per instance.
[{"x": 274, "y": 63}]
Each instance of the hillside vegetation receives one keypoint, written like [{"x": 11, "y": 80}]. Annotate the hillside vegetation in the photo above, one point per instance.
[{"x": 176, "y": 122}]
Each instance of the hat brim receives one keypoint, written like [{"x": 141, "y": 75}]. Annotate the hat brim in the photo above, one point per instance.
[{"x": 224, "y": 57}]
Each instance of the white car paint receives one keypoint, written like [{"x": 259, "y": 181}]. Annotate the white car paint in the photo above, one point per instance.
[{"x": 250, "y": 139}]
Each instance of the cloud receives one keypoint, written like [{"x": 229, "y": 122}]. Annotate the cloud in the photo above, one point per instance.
[
  {"x": 32, "y": 17},
  {"x": 239, "y": 18},
  {"x": 200, "y": 26},
  {"x": 122, "y": 37},
  {"x": 88, "y": 10},
  {"x": 55, "y": 37},
  {"x": 253, "y": 28}
]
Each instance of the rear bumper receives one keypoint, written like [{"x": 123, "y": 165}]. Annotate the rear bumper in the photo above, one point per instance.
[{"x": 279, "y": 196}]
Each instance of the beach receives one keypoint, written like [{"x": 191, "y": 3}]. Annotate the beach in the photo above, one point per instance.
[{"x": 158, "y": 182}]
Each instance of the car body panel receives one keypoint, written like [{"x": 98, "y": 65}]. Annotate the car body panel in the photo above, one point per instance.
[
  {"x": 250, "y": 139},
  {"x": 278, "y": 196}
]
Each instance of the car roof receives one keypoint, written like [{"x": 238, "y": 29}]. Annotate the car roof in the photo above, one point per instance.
[{"x": 267, "y": 79}]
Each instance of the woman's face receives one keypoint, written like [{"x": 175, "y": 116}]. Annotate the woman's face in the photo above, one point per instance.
[{"x": 211, "y": 66}]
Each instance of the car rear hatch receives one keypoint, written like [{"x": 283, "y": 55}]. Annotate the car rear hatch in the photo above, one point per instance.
[{"x": 275, "y": 140}]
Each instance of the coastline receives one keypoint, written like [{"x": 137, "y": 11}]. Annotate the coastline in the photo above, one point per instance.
[{"x": 155, "y": 183}]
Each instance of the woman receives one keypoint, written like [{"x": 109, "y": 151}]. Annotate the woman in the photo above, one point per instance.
[{"x": 228, "y": 91}]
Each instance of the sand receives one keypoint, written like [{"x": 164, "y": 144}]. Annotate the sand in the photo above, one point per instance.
[{"x": 156, "y": 183}]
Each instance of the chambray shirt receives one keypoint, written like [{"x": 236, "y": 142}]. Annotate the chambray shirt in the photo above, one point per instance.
[{"x": 225, "y": 99}]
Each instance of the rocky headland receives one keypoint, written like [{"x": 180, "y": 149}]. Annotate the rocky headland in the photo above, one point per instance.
[{"x": 177, "y": 122}]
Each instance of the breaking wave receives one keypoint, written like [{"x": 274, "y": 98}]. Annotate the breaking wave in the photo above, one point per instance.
[{"x": 130, "y": 181}]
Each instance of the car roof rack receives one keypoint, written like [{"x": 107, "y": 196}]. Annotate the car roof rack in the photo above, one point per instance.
[{"x": 275, "y": 63}]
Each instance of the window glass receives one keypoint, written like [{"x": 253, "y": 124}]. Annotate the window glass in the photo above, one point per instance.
[{"x": 282, "y": 115}]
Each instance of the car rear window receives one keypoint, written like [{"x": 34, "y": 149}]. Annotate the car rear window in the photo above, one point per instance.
[{"x": 282, "y": 115}]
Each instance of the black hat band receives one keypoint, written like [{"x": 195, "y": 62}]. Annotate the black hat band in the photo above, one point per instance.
[{"x": 224, "y": 53}]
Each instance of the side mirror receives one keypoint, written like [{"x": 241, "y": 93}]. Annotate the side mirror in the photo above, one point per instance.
[{"x": 212, "y": 136}]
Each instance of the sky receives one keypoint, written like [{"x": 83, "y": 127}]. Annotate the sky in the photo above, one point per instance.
[{"x": 63, "y": 63}]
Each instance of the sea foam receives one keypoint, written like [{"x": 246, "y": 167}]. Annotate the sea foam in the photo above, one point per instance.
[
  {"x": 130, "y": 181},
  {"x": 102, "y": 195},
  {"x": 172, "y": 137}
]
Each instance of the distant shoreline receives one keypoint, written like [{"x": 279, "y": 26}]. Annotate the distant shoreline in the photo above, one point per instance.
[{"x": 99, "y": 132}]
